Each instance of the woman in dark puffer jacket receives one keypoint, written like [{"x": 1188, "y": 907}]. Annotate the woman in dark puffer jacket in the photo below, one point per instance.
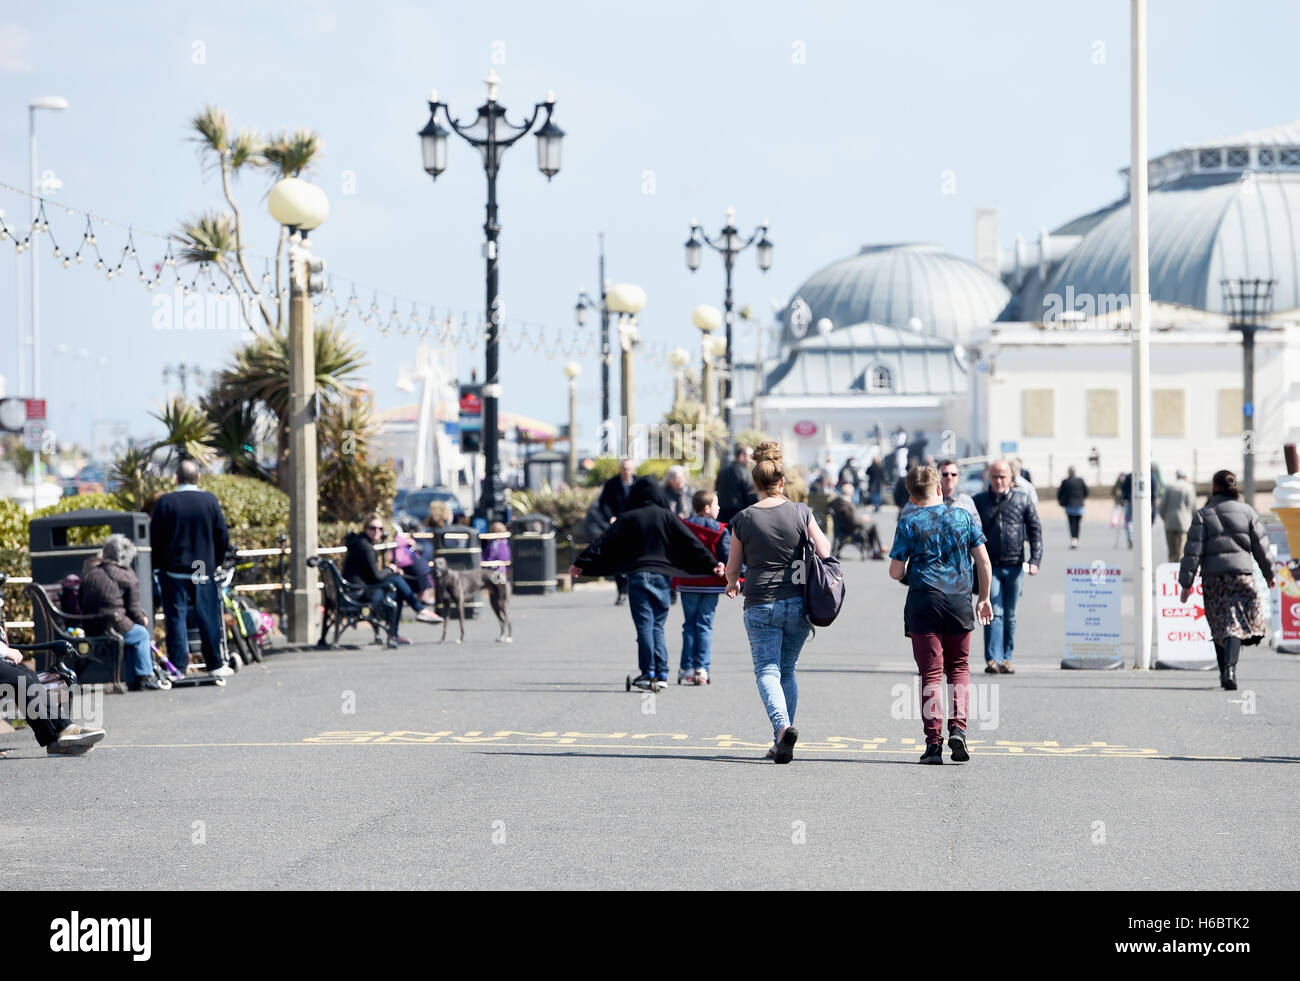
[{"x": 1226, "y": 541}]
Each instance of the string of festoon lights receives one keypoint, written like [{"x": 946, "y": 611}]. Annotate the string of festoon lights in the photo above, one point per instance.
[{"x": 350, "y": 302}]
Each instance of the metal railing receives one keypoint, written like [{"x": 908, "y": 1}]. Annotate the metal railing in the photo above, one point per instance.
[{"x": 282, "y": 585}]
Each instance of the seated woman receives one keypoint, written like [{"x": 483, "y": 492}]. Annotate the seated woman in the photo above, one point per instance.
[
  {"x": 110, "y": 589},
  {"x": 50, "y": 727},
  {"x": 409, "y": 558},
  {"x": 362, "y": 566},
  {"x": 497, "y": 549}
]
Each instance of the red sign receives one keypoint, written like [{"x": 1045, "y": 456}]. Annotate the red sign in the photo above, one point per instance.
[
  {"x": 805, "y": 427},
  {"x": 35, "y": 408},
  {"x": 471, "y": 405}
]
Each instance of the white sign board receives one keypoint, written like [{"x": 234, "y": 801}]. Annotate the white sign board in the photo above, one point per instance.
[
  {"x": 33, "y": 434},
  {"x": 1094, "y": 598},
  {"x": 1182, "y": 633}
]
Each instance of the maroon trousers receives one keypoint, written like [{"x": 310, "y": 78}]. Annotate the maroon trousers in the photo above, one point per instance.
[{"x": 939, "y": 655}]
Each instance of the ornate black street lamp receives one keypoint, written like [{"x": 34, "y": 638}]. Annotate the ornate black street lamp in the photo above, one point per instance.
[
  {"x": 584, "y": 304},
  {"x": 490, "y": 133},
  {"x": 1246, "y": 301},
  {"x": 729, "y": 245}
]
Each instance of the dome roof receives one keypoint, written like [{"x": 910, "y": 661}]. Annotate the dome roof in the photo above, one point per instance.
[
  {"x": 893, "y": 285},
  {"x": 862, "y": 359},
  {"x": 1203, "y": 229}
]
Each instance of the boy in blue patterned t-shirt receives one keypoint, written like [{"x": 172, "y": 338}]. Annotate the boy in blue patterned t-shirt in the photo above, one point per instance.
[{"x": 932, "y": 552}]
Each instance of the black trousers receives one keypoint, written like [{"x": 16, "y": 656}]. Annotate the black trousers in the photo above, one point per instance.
[
  {"x": 1074, "y": 520},
  {"x": 35, "y": 704}
]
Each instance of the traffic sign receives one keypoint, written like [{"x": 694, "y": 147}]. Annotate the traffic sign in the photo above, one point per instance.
[
  {"x": 34, "y": 435},
  {"x": 36, "y": 409},
  {"x": 1248, "y": 409},
  {"x": 1183, "y": 633}
]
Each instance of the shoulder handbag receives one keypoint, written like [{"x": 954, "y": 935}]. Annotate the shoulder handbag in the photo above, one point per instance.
[{"x": 823, "y": 585}]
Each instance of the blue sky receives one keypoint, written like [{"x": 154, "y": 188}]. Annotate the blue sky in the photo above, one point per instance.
[{"x": 837, "y": 121}]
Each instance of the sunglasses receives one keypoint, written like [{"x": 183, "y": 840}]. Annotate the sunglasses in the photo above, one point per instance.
[
  {"x": 947, "y": 475},
  {"x": 378, "y": 528}
]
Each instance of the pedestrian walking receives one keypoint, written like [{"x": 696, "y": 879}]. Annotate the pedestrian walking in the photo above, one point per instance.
[
  {"x": 188, "y": 539},
  {"x": 1009, "y": 519},
  {"x": 700, "y": 593},
  {"x": 849, "y": 475},
  {"x": 1226, "y": 540},
  {"x": 677, "y": 491},
  {"x": 648, "y": 544},
  {"x": 767, "y": 541},
  {"x": 111, "y": 590},
  {"x": 612, "y": 501},
  {"x": 875, "y": 482},
  {"x": 1071, "y": 495},
  {"x": 948, "y": 490},
  {"x": 934, "y": 547},
  {"x": 1176, "y": 507},
  {"x": 735, "y": 485},
  {"x": 898, "y": 439}
]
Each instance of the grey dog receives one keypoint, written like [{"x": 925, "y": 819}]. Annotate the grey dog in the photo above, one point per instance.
[{"x": 456, "y": 586}]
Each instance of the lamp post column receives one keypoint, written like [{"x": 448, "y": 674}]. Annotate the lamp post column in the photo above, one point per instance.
[
  {"x": 730, "y": 258},
  {"x": 302, "y": 448},
  {"x": 606, "y": 424},
  {"x": 1250, "y": 418},
  {"x": 492, "y": 503}
]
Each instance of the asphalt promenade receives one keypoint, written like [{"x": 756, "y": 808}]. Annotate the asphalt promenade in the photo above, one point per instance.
[{"x": 529, "y": 766}]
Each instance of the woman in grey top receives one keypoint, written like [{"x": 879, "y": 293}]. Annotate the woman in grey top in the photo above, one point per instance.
[
  {"x": 1227, "y": 540},
  {"x": 767, "y": 539}
]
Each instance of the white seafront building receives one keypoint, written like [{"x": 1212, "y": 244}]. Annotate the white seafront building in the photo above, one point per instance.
[{"x": 1032, "y": 355}]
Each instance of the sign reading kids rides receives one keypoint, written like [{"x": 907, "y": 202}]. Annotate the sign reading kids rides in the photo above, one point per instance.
[{"x": 1093, "y": 617}]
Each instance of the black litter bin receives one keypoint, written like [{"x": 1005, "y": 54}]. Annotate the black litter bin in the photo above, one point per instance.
[
  {"x": 532, "y": 554},
  {"x": 53, "y": 558},
  {"x": 459, "y": 546}
]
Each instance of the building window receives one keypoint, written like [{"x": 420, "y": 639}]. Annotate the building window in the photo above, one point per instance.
[
  {"x": 1039, "y": 412},
  {"x": 879, "y": 379},
  {"x": 1103, "y": 412},
  {"x": 1289, "y": 156},
  {"x": 1170, "y": 415},
  {"x": 1209, "y": 159},
  {"x": 1230, "y": 419},
  {"x": 1265, "y": 157},
  {"x": 1238, "y": 156}
]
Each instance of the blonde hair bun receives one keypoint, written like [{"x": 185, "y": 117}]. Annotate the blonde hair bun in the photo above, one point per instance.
[{"x": 770, "y": 450}]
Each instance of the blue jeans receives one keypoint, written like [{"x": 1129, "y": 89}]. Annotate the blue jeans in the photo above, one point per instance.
[
  {"x": 179, "y": 597},
  {"x": 697, "y": 631},
  {"x": 1004, "y": 594},
  {"x": 139, "y": 653},
  {"x": 647, "y": 595},
  {"x": 776, "y": 635}
]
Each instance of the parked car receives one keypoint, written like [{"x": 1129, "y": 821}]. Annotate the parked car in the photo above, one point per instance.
[
  {"x": 416, "y": 504},
  {"x": 400, "y": 499}
]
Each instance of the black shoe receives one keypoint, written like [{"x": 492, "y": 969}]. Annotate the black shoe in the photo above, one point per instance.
[
  {"x": 1230, "y": 678},
  {"x": 784, "y": 752},
  {"x": 149, "y": 683},
  {"x": 645, "y": 681},
  {"x": 933, "y": 753},
  {"x": 991, "y": 667},
  {"x": 957, "y": 744},
  {"x": 622, "y": 598}
]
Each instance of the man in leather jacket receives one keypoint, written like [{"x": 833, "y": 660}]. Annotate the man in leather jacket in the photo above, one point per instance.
[{"x": 1009, "y": 518}]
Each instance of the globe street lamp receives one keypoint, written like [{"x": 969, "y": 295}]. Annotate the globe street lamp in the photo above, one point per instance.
[
  {"x": 1247, "y": 300},
  {"x": 572, "y": 370},
  {"x": 729, "y": 244},
  {"x": 300, "y": 207},
  {"x": 626, "y": 300},
  {"x": 491, "y": 134}
]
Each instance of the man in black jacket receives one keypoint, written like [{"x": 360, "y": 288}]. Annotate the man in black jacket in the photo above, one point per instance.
[
  {"x": 612, "y": 501},
  {"x": 735, "y": 485},
  {"x": 1009, "y": 518},
  {"x": 649, "y": 544},
  {"x": 189, "y": 539}
]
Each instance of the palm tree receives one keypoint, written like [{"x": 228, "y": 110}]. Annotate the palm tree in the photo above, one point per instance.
[
  {"x": 260, "y": 376},
  {"x": 137, "y": 478},
  {"x": 232, "y": 153},
  {"x": 283, "y": 155},
  {"x": 188, "y": 431},
  {"x": 236, "y": 434}
]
